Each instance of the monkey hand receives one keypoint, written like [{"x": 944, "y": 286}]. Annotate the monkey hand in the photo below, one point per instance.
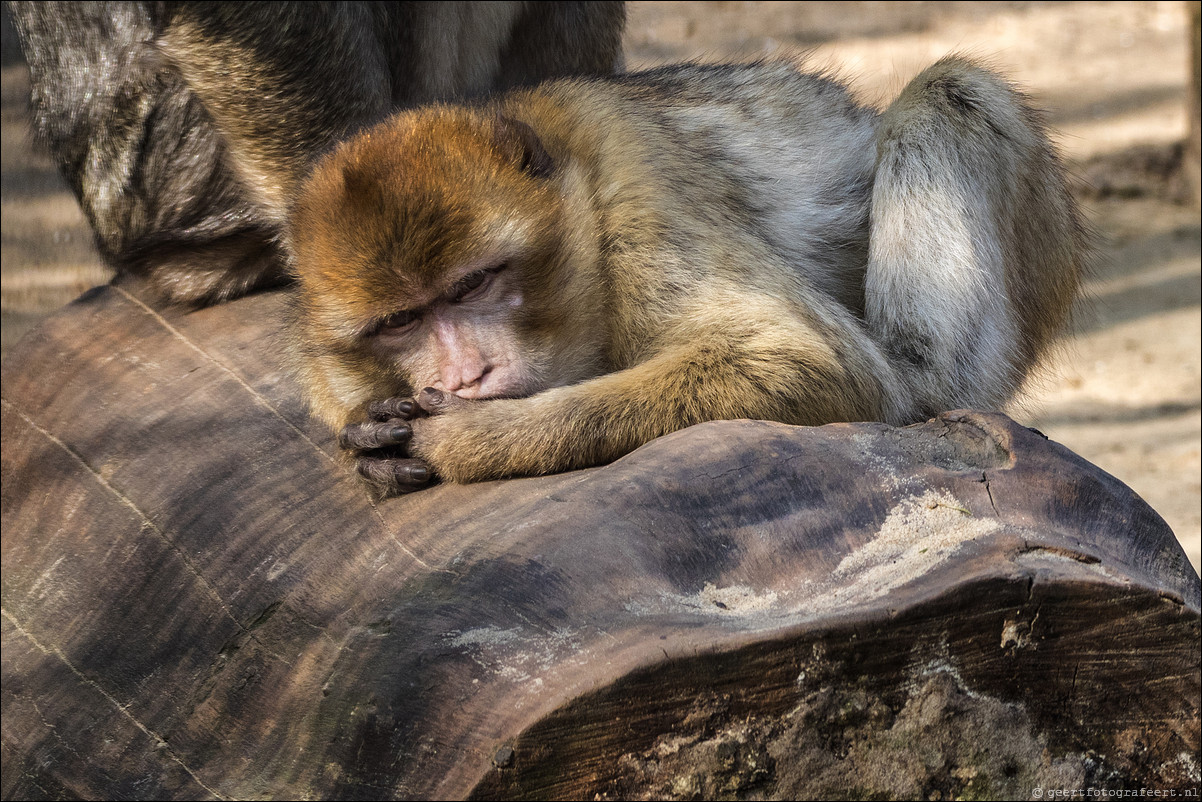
[
  {"x": 380, "y": 447},
  {"x": 457, "y": 433}
]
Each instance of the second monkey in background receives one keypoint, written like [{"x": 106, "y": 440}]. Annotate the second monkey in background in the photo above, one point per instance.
[{"x": 183, "y": 128}]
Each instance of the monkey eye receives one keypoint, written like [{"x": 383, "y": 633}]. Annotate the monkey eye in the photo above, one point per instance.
[
  {"x": 474, "y": 284},
  {"x": 396, "y": 322}
]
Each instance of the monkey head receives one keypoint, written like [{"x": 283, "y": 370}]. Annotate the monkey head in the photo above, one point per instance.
[{"x": 437, "y": 250}]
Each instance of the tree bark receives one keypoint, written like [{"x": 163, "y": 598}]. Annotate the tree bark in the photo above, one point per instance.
[{"x": 199, "y": 601}]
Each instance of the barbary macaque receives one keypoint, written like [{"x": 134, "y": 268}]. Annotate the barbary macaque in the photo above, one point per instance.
[
  {"x": 183, "y": 128},
  {"x": 550, "y": 279}
]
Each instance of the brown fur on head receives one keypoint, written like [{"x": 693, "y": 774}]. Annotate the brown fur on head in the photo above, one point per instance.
[{"x": 392, "y": 219}]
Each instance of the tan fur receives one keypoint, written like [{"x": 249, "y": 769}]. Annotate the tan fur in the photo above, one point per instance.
[{"x": 710, "y": 243}]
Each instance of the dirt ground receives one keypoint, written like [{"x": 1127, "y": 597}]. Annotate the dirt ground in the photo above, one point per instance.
[{"x": 1122, "y": 391}]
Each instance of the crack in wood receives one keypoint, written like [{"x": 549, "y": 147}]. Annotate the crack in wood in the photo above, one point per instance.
[
  {"x": 125, "y": 500},
  {"x": 53, "y": 651},
  {"x": 263, "y": 402}
]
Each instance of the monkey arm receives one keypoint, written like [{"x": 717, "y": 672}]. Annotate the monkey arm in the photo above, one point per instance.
[{"x": 754, "y": 360}]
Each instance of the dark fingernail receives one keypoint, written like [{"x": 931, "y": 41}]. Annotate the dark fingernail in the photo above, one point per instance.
[
  {"x": 398, "y": 433},
  {"x": 419, "y": 474},
  {"x": 405, "y": 407}
]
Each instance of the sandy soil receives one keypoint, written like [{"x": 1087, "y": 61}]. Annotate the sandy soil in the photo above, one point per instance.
[{"x": 1122, "y": 391}]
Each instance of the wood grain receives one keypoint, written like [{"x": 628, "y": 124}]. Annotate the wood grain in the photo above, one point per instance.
[{"x": 201, "y": 602}]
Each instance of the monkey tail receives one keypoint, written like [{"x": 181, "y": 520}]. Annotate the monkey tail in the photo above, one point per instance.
[{"x": 975, "y": 245}]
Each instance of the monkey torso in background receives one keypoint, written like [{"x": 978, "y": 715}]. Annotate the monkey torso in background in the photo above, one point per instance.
[
  {"x": 547, "y": 281},
  {"x": 183, "y": 127}
]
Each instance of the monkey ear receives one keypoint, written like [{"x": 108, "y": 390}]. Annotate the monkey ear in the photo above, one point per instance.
[{"x": 518, "y": 140}]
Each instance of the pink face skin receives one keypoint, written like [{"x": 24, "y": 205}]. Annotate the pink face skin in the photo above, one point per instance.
[{"x": 463, "y": 340}]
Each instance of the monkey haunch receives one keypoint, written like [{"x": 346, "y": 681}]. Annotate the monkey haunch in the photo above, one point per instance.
[{"x": 576, "y": 269}]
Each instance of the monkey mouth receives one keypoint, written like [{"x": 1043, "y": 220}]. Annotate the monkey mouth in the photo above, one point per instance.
[
  {"x": 500, "y": 384},
  {"x": 503, "y": 394}
]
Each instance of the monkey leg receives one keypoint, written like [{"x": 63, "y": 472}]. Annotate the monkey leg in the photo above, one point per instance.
[
  {"x": 753, "y": 360},
  {"x": 975, "y": 246}
]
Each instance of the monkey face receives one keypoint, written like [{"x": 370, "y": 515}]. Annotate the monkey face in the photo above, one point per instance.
[
  {"x": 430, "y": 253},
  {"x": 465, "y": 341}
]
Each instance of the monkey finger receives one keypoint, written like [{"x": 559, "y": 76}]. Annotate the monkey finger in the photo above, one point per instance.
[
  {"x": 436, "y": 401},
  {"x": 393, "y": 409},
  {"x": 368, "y": 436},
  {"x": 395, "y": 475}
]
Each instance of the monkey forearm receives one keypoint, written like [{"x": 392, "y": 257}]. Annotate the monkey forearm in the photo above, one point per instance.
[{"x": 786, "y": 374}]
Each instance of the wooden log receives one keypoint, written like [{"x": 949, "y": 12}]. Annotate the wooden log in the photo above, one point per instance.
[{"x": 199, "y": 601}]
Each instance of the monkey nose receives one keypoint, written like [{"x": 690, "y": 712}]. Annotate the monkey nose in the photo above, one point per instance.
[
  {"x": 467, "y": 383},
  {"x": 475, "y": 388}
]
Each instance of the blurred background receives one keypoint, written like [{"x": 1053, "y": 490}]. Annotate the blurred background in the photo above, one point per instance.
[{"x": 1123, "y": 390}]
